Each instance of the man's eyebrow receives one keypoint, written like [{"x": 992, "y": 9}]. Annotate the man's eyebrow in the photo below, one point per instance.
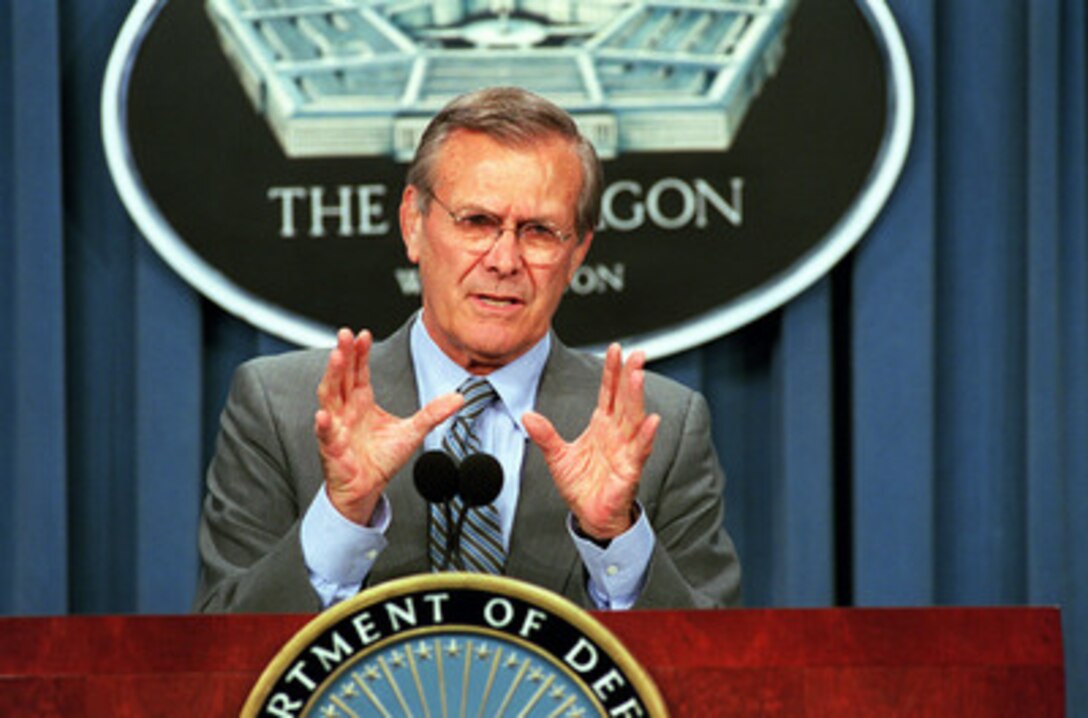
[
  {"x": 475, "y": 208},
  {"x": 478, "y": 208}
]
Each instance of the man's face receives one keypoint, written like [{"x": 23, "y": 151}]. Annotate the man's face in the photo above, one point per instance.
[{"x": 484, "y": 310}]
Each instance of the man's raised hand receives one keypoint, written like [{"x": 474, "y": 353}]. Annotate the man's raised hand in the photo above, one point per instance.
[
  {"x": 597, "y": 474},
  {"x": 361, "y": 445}
]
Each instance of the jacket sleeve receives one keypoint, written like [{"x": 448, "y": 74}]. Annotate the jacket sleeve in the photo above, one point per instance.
[
  {"x": 694, "y": 563},
  {"x": 251, "y": 554}
]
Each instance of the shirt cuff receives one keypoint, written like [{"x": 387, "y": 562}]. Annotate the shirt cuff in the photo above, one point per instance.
[
  {"x": 617, "y": 572},
  {"x": 337, "y": 550}
]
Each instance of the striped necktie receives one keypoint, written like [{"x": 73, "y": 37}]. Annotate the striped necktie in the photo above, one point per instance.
[{"x": 481, "y": 548}]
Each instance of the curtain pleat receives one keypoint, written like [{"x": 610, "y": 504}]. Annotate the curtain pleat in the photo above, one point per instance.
[
  {"x": 35, "y": 510},
  {"x": 169, "y": 387},
  {"x": 893, "y": 366}
]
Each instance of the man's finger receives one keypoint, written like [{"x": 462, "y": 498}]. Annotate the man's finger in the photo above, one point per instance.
[
  {"x": 542, "y": 432},
  {"x": 329, "y": 436},
  {"x": 322, "y": 424},
  {"x": 329, "y": 389},
  {"x": 361, "y": 368},
  {"x": 630, "y": 402},
  {"x": 345, "y": 343},
  {"x": 435, "y": 412},
  {"x": 609, "y": 377}
]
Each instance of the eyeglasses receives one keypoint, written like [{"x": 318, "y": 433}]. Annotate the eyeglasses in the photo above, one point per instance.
[{"x": 478, "y": 231}]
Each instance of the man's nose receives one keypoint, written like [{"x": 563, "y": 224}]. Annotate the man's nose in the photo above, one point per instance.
[{"x": 505, "y": 253}]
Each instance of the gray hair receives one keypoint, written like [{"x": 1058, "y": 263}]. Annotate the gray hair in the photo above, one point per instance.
[{"x": 514, "y": 117}]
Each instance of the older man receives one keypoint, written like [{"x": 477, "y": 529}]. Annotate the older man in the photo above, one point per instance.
[{"x": 310, "y": 493}]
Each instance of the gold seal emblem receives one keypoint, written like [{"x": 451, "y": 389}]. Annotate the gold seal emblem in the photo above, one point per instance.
[{"x": 454, "y": 644}]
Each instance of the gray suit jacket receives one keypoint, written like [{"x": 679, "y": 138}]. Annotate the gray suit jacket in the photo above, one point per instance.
[{"x": 266, "y": 470}]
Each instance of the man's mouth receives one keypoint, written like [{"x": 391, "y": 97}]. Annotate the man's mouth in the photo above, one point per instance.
[{"x": 496, "y": 300}]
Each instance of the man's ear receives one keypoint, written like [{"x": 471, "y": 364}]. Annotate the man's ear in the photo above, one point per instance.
[
  {"x": 411, "y": 222},
  {"x": 579, "y": 256}
]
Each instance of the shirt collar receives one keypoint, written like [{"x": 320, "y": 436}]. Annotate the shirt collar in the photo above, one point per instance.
[{"x": 516, "y": 383}]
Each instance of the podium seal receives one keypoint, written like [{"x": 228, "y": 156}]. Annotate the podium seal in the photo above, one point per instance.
[{"x": 454, "y": 644}]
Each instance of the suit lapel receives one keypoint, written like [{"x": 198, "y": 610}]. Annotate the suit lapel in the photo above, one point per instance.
[
  {"x": 540, "y": 551},
  {"x": 395, "y": 391}
]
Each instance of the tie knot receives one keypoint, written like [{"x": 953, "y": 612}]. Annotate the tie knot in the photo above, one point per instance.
[
  {"x": 461, "y": 439},
  {"x": 478, "y": 393}
]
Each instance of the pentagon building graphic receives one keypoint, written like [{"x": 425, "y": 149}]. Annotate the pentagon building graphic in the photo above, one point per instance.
[{"x": 363, "y": 77}]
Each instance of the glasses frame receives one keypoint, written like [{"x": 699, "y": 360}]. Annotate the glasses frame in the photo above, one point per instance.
[{"x": 459, "y": 221}]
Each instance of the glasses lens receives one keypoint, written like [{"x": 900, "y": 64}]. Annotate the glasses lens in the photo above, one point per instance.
[
  {"x": 481, "y": 226},
  {"x": 539, "y": 242},
  {"x": 478, "y": 231}
]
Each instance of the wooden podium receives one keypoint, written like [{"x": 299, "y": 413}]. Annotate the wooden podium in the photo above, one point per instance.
[{"x": 958, "y": 662}]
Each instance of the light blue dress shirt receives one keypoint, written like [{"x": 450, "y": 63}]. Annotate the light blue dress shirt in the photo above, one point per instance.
[{"x": 339, "y": 553}]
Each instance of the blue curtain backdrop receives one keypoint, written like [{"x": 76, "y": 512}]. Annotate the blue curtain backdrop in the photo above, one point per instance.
[{"x": 911, "y": 431}]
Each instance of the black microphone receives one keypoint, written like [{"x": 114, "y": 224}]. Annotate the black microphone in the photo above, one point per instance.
[
  {"x": 436, "y": 479},
  {"x": 435, "y": 476},
  {"x": 480, "y": 481}
]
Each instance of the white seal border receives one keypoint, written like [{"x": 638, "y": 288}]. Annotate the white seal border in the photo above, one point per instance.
[{"x": 287, "y": 325}]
